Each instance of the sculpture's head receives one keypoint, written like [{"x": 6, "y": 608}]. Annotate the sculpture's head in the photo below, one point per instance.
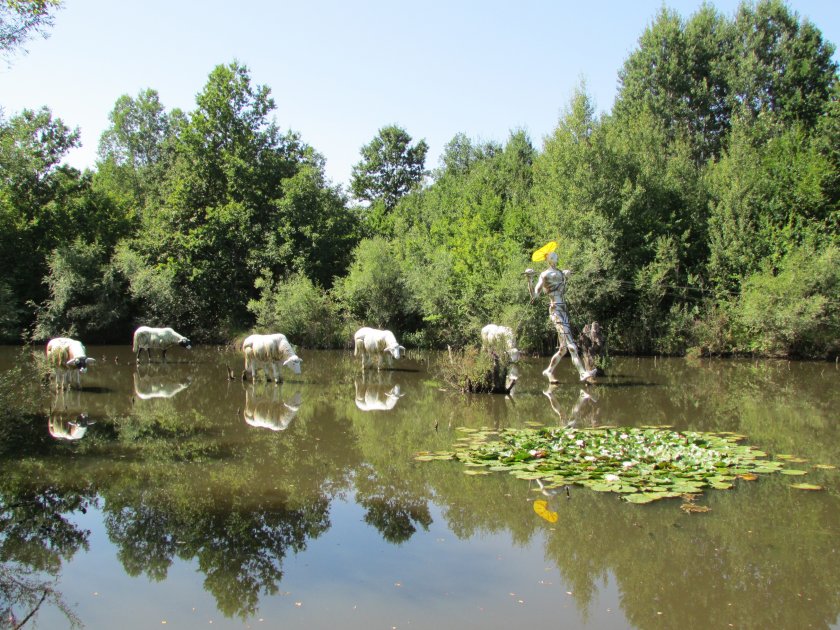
[
  {"x": 552, "y": 258},
  {"x": 293, "y": 363}
]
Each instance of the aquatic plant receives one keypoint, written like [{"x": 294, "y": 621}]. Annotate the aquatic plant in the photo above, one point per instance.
[{"x": 642, "y": 464}]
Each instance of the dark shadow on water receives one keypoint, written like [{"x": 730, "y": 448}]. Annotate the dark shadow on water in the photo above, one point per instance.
[{"x": 97, "y": 390}]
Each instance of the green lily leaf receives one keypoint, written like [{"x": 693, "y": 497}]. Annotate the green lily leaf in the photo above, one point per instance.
[{"x": 643, "y": 464}]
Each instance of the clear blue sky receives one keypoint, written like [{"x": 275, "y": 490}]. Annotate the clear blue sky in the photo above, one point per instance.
[{"x": 340, "y": 70}]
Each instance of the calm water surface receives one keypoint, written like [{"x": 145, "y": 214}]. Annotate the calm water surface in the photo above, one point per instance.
[{"x": 173, "y": 494}]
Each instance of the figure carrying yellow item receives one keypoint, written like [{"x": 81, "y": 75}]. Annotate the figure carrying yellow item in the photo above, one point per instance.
[{"x": 552, "y": 281}]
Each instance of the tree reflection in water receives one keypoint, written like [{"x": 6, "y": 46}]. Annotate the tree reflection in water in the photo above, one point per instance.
[
  {"x": 202, "y": 486},
  {"x": 36, "y": 535},
  {"x": 240, "y": 550},
  {"x": 391, "y": 507}
]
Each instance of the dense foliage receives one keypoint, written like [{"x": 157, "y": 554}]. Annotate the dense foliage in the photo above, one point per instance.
[{"x": 700, "y": 215}]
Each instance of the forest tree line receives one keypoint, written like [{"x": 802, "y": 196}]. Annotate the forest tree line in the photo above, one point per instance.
[{"x": 699, "y": 216}]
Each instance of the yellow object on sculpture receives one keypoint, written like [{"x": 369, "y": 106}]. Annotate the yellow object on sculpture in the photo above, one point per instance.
[{"x": 544, "y": 251}]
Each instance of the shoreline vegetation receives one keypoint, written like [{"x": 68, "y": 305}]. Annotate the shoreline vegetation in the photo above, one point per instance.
[{"x": 699, "y": 216}]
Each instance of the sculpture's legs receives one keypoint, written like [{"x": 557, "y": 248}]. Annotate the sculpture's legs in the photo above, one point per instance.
[{"x": 564, "y": 335}]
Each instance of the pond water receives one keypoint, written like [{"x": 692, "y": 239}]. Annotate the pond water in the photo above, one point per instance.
[{"x": 172, "y": 494}]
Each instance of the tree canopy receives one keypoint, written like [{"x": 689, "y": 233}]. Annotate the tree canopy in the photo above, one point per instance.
[{"x": 714, "y": 180}]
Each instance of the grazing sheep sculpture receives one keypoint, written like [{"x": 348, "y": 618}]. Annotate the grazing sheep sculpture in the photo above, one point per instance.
[
  {"x": 262, "y": 351},
  {"x": 495, "y": 336},
  {"x": 372, "y": 342},
  {"x": 148, "y": 339},
  {"x": 68, "y": 360}
]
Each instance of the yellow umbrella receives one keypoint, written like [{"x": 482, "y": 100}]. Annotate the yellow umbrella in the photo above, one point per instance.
[
  {"x": 543, "y": 251},
  {"x": 541, "y": 508}
]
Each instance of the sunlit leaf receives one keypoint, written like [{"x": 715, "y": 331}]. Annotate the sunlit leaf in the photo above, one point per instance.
[
  {"x": 528, "y": 476},
  {"x": 805, "y": 486},
  {"x": 791, "y": 471},
  {"x": 825, "y": 466},
  {"x": 644, "y": 497}
]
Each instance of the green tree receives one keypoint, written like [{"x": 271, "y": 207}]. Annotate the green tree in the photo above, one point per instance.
[
  {"x": 42, "y": 203},
  {"x": 85, "y": 295},
  {"x": 374, "y": 292},
  {"x": 315, "y": 234},
  {"x": 766, "y": 199},
  {"x": 22, "y": 19},
  {"x": 679, "y": 74},
  {"x": 301, "y": 310},
  {"x": 695, "y": 75},
  {"x": 136, "y": 151},
  {"x": 793, "y": 308},
  {"x": 390, "y": 167},
  {"x": 220, "y": 191},
  {"x": 782, "y": 65}
]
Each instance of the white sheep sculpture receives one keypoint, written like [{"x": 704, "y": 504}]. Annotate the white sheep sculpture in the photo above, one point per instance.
[
  {"x": 68, "y": 360},
  {"x": 262, "y": 351},
  {"x": 373, "y": 343},
  {"x": 148, "y": 339},
  {"x": 495, "y": 337}
]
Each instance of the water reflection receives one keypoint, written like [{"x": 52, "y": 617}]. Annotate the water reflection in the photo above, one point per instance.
[
  {"x": 584, "y": 412},
  {"x": 63, "y": 428},
  {"x": 375, "y": 395},
  {"x": 185, "y": 480},
  {"x": 67, "y": 419},
  {"x": 158, "y": 381},
  {"x": 266, "y": 409}
]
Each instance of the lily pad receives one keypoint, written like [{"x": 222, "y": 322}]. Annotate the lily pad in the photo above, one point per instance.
[
  {"x": 643, "y": 464},
  {"x": 805, "y": 486},
  {"x": 793, "y": 472},
  {"x": 644, "y": 497}
]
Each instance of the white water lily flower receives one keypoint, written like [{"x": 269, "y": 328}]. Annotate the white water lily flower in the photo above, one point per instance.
[
  {"x": 627, "y": 464},
  {"x": 610, "y": 477},
  {"x": 589, "y": 458},
  {"x": 579, "y": 442}
]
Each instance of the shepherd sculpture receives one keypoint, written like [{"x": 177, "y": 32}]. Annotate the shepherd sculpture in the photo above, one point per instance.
[{"x": 552, "y": 282}]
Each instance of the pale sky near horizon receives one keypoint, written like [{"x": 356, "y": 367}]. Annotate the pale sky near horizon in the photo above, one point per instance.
[{"x": 339, "y": 71}]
